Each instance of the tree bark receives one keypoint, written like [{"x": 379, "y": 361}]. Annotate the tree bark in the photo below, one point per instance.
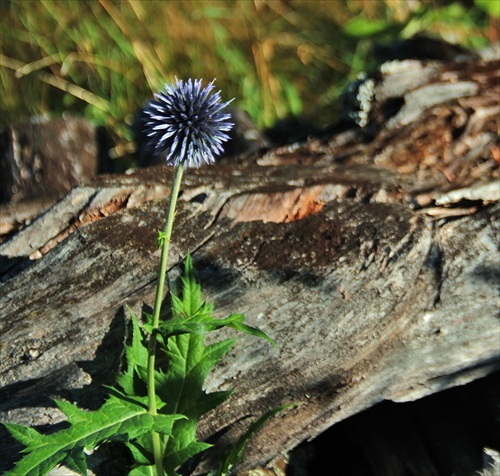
[{"x": 369, "y": 254}]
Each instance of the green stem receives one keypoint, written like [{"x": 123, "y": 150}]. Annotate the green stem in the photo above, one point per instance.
[{"x": 162, "y": 272}]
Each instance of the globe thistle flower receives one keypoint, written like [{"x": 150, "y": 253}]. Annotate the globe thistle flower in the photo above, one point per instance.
[{"x": 186, "y": 123}]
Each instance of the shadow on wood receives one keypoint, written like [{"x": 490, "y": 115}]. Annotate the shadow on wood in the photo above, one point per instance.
[{"x": 369, "y": 254}]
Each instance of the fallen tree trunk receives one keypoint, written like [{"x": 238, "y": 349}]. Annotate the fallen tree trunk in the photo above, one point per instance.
[{"x": 369, "y": 255}]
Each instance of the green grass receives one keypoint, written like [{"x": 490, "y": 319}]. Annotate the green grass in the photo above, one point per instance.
[{"x": 103, "y": 59}]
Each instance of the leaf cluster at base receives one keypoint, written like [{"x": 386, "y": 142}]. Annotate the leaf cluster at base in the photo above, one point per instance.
[{"x": 181, "y": 399}]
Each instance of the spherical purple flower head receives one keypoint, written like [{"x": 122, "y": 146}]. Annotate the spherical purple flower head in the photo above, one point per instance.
[{"x": 186, "y": 123}]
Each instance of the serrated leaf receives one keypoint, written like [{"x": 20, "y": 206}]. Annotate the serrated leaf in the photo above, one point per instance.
[
  {"x": 143, "y": 471},
  {"x": 182, "y": 448},
  {"x": 141, "y": 456},
  {"x": 189, "y": 362},
  {"x": 135, "y": 353},
  {"x": 191, "y": 290},
  {"x": 190, "y": 359},
  {"x": 181, "y": 387},
  {"x": 144, "y": 461},
  {"x": 202, "y": 323},
  {"x": 149, "y": 470},
  {"x": 193, "y": 316},
  {"x": 235, "y": 321},
  {"x": 23, "y": 434},
  {"x": 235, "y": 454},
  {"x": 119, "y": 419}
]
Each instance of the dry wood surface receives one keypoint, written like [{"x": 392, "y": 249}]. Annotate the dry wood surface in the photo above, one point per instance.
[{"x": 370, "y": 255}]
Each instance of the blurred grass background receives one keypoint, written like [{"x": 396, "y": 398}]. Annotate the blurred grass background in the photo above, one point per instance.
[{"x": 103, "y": 59}]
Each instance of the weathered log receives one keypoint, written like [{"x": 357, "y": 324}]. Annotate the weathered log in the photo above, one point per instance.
[
  {"x": 46, "y": 157},
  {"x": 370, "y": 256}
]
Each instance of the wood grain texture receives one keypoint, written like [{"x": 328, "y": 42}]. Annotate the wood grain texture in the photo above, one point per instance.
[{"x": 329, "y": 246}]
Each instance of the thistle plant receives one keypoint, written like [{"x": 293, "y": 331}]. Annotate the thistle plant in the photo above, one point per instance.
[
  {"x": 155, "y": 410},
  {"x": 187, "y": 125}
]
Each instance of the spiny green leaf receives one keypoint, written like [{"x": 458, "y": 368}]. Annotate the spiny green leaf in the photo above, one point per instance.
[
  {"x": 235, "y": 321},
  {"x": 23, "y": 434},
  {"x": 191, "y": 290},
  {"x": 143, "y": 459},
  {"x": 182, "y": 448},
  {"x": 119, "y": 419},
  {"x": 149, "y": 470},
  {"x": 136, "y": 353},
  {"x": 193, "y": 316},
  {"x": 179, "y": 387},
  {"x": 201, "y": 323},
  {"x": 141, "y": 456},
  {"x": 190, "y": 361},
  {"x": 235, "y": 454}
]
